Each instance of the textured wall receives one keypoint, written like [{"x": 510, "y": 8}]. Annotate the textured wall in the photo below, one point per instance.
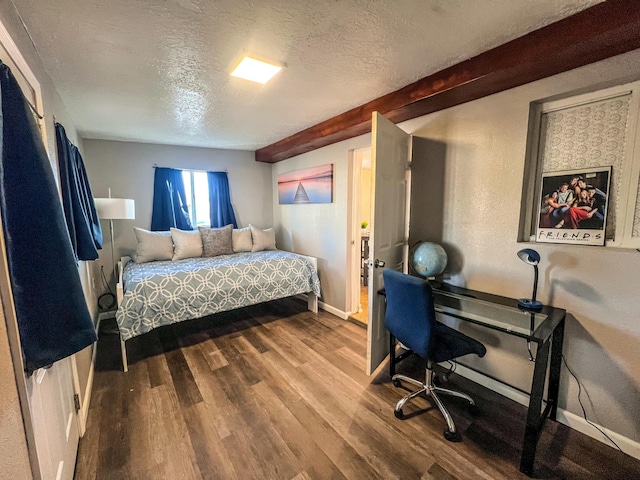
[
  {"x": 14, "y": 461},
  {"x": 478, "y": 151},
  {"x": 320, "y": 230},
  {"x": 469, "y": 171}
]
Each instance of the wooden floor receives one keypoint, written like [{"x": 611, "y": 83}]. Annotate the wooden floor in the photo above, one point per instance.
[{"x": 277, "y": 392}]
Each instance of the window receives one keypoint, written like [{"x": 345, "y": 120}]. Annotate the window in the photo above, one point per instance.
[
  {"x": 196, "y": 188},
  {"x": 598, "y": 129}
]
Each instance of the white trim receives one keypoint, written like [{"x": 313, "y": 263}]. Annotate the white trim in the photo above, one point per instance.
[
  {"x": 6, "y": 297},
  {"x": 587, "y": 98},
  {"x": 76, "y": 391},
  {"x": 492, "y": 384},
  {"x": 333, "y": 310},
  {"x": 14, "y": 52},
  {"x": 571, "y": 420},
  {"x": 83, "y": 414}
]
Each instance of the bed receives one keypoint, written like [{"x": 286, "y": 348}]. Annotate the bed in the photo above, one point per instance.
[{"x": 158, "y": 293}]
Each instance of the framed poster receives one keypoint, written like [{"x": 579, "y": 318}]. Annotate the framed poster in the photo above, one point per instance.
[
  {"x": 311, "y": 185},
  {"x": 573, "y": 206}
]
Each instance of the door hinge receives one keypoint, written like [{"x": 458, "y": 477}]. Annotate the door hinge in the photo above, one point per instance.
[{"x": 76, "y": 401}]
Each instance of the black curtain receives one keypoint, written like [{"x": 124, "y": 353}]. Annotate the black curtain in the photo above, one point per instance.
[
  {"x": 169, "y": 205},
  {"x": 52, "y": 314},
  {"x": 77, "y": 200}
]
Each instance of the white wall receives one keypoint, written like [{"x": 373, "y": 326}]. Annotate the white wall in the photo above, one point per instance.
[
  {"x": 320, "y": 230},
  {"x": 478, "y": 149},
  {"x": 127, "y": 168}
]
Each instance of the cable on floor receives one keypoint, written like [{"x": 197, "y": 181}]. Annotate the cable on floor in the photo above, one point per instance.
[{"x": 584, "y": 412}]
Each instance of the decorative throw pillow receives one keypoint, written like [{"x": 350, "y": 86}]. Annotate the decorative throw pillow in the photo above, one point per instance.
[
  {"x": 263, "y": 239},
  {"x": 153, "y": 245},
  {"x": 186, "y": 244},
  {"x": 241, "y": 239},
  {"x": 216, "y": 241}
]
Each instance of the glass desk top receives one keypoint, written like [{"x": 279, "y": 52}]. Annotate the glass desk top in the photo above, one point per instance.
[{"x": 499, "y": 313}]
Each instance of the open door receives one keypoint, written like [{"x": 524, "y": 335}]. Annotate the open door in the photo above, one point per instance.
[
  {"x": 390, "y": 150},
  {"x": 47, "y": 396}
]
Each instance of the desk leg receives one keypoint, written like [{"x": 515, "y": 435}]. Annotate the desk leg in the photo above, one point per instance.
[
  {"x": 535, "y": 418},
  {"x": 554, "y": 369}
]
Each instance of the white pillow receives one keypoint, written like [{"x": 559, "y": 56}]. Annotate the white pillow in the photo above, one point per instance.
[
  {"x": 186, "y": 244},
  {"x": 241, "y": 239},
  {"x": 153, "y": 245},
  {"x": 263, "y": 239}
]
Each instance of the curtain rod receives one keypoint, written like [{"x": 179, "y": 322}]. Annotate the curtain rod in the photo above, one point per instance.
[{"x": 155, "y": 165}]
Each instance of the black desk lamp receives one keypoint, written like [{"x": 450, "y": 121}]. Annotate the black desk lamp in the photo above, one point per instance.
[{"x": 531, "y": 257}]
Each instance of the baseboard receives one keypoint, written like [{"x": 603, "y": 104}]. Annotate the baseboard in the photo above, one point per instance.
[
  {"x": 628, "y": 446},
  {"x": 333, "y": 310},
  {"x": 571, "y": 420}
]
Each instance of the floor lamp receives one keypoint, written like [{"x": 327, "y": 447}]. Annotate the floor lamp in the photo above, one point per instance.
[{"x": 115, "y": 209}]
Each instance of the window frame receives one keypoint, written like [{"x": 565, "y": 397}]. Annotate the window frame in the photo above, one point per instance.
[
  {"x": 190, "y": 191},
  {"x": 629, "y": 184}
]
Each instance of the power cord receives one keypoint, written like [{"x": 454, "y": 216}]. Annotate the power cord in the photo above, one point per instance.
[
  {"x": 584, "y": 412},
  {"x": 106, "y": 301},
  {"x": 104, "y": 280}
]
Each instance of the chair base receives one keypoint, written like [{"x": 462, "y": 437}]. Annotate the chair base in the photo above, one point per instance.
[{"x": 431, "y": 390}]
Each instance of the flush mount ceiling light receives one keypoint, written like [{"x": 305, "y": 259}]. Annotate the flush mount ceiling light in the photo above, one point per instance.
[{"x": 255, "y": 70}]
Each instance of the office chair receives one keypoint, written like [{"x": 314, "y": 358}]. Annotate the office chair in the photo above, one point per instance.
[{"x": 411, "y": 319}]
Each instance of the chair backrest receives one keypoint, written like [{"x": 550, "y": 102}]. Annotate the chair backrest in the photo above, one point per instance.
[{"x": 410, "y": 315}]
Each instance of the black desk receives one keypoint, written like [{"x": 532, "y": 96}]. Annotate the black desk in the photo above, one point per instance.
[{"x": 544, "y": 327}]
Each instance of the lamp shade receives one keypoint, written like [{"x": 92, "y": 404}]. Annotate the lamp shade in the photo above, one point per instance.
[
  {"x": 115, "y": 208},
  {"x": 529, "y": 256}
]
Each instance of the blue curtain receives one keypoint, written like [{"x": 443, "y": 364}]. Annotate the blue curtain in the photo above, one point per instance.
[
  {"x": 53, "y": 318},
  {"x": 77, "y": 200},
  {"x": 169, "y": 206},
  {"x": 221, "y": 210}
]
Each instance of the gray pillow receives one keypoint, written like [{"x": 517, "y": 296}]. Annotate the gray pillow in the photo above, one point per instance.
[
  {"x": 153, "y": 245},
  {"x": 216, "y": 241}
]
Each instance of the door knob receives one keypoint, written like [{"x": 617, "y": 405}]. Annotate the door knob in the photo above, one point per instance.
[{"x": 378, "y": 263}]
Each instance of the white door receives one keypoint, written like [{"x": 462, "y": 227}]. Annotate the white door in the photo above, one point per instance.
[
  {"x": 54, "y": 419},
  {"x": 50, "y": 392},
  {"x": 390, "y": 163}
]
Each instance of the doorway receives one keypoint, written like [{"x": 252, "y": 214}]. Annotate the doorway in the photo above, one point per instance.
[{"x": 361, "y": 234}]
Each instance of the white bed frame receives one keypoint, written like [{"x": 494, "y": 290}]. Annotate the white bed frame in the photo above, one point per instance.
[{"x": 312, "y": 299}]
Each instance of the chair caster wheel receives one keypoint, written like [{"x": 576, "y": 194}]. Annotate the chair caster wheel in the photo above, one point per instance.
[
  {"x": 399, "y": 414},
  {"x": 397, "y": 383},
  {"x": 473, "y": 409},
  {"x": 452, "y": 436}
]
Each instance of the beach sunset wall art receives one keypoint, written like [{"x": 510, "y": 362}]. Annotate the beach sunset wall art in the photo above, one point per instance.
[{"x": 311, "y": 185}]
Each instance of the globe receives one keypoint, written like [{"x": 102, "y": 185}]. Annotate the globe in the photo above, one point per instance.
[{"x": 427, "y": 259}]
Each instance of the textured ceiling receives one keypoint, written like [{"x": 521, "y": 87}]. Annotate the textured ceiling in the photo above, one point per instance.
[{"x": 157, "y": 71}]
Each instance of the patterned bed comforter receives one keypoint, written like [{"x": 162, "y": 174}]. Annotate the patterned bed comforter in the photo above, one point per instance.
[{"x": 165, "y": 292}]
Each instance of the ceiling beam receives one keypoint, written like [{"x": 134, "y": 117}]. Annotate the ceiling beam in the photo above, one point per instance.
[{"x": 594, "y": 34}]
